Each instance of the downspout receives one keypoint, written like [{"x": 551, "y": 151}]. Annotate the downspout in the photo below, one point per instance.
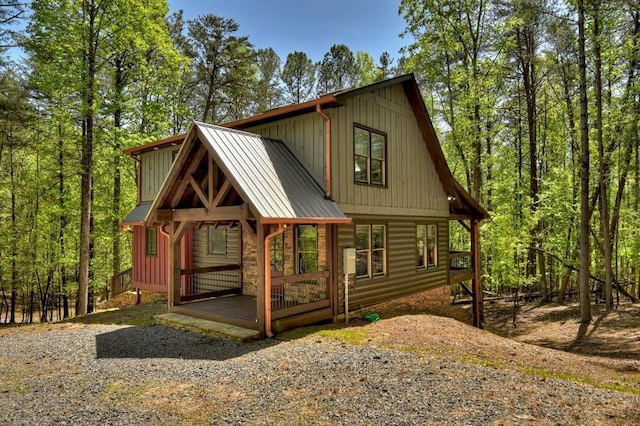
[
  {"x": 267, "y": 277},
  {"x": 327, "y": 150},
  {"x": 138, "y": 175}
]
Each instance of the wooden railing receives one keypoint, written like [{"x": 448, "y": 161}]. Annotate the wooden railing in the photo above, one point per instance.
[
  {"x": 121, "y": 282},
  {"x": 211, "y": 281},
  {"x": 460, "y": 260},
  {"x": 460, "y": 266},
  {"x": 294, "y": 291}
]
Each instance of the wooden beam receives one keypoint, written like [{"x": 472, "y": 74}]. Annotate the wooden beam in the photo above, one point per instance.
[
  {"x": 476, "y": 285},
  {"x": 179, "y": 231},
  {"x": 199, "y": 191},
  {"x": 230, "y": 213},
  {"x": 260, "y": 296},
  {"x": 173, "y": 291},
  {"x": 461, "y": 222},
  {"x": 246, "y": 225},
  {"x": 210, "y": 181},
  {"x": 226, "y": 186},
  {"x": 185, "y": 180}
]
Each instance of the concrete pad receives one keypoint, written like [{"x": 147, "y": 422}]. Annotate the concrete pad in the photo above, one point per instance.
[{"x": 210, "y": 328}]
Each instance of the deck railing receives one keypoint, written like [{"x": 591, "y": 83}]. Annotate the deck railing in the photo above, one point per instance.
[
  {"x": 460, "y": 260},
  {"x": 295, "y": 290},
  {"x": 212, "y": 281},
  {"x": 121, "y": 282},
  {"x": 460, "y": 266}
]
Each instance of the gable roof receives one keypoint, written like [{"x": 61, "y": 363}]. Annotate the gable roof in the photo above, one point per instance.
[
  {"x": 265, "y": 174},
  {"x": 461, "y": 204}
]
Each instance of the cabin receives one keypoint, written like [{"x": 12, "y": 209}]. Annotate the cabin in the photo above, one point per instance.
[{"x": 304, "y": 213}]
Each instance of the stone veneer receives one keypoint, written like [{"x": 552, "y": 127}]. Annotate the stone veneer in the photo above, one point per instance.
[
  {"x": 249, "y": 258},
  {"x": 249, "y": 264}
]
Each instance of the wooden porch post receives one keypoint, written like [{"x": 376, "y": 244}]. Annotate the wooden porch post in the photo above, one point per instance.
[
  {"x": 476, "y": 285},
  {"x": 260, "y": 291},
  {"x": 174, "y": 265}
]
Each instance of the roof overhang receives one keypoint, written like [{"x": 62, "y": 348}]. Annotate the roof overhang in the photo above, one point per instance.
[
  {"x": 138, "y": 216},
  {"x": 172, "y": 141}
]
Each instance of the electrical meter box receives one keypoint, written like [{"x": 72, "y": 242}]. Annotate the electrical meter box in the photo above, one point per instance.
[{"x": 349, "y": 261}]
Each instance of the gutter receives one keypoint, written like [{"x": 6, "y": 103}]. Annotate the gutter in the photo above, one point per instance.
[
  {"x": 327, "y": 150},
  {"x": 267, "y": 278}
]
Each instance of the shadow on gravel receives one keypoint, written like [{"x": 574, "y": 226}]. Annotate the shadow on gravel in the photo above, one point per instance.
[{"x": 159, "y": 341}]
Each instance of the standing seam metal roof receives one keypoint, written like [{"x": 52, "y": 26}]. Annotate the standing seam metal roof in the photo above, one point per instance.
[
  {"x": 138, "y": 214},
  {"x": 269, "y": 175}
]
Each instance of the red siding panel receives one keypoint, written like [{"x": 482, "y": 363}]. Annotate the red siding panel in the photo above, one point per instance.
[{"x": 150, "y": 273}]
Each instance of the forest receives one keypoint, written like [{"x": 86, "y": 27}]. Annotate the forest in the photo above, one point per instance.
[{"x": 536, "y": 104}]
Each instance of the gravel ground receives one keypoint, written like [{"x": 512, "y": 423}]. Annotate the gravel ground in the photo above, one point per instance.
[{"x": 118, "y": 375}]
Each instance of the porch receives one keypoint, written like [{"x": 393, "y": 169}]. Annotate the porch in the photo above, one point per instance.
[{"x": 295, "y": 300}]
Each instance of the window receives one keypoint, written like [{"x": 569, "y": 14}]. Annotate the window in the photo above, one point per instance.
[
  {"x": 306, "y": 249},
  {"x": 370, "y": 251},
  {"x": 152, "y": 241},
  {"x": 427, "y": 245},
  {"x": 369, "y": 156},
  {"x": 277, "y": 251},
  {"x": 217, "y": 241}
]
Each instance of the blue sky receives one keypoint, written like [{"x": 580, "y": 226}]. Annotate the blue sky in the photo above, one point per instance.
[{"x": 311, "y": 26}]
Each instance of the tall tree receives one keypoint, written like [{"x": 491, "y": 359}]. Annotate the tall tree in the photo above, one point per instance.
[
  {"x": 268, "y": 91},
  {"x": 337, "y": 70},
  {"x": 223, "y": 65},
  {"x": 10, "y": 12},
  {"x": 91, "y": 32},
  {"x": 299, "y": 77},
  {"x": 585, "y": 266},
  {"x": 366, "y": 71},
  {"x": 454, "y": 36}
]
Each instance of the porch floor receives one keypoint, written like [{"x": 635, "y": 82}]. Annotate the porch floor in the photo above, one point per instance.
[
  {"x": 241, "y": 306},
  {"x": 239, "y": 310}
]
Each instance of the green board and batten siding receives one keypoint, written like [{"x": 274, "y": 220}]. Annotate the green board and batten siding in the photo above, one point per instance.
[
  {"x": 413, "y": 186},
  {"x": 155, "y": 167},
  {"x": 304, "y": 136},
  {"x": 413, "y": 194}
]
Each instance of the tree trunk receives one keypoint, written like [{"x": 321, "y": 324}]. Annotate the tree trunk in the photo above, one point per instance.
[
  {"x": 117, "y": 146},
  {"x": 604, "y": 166},
  {"x": 63, "y": 225},
  {"x": 87, "y": 164},
  {"x": 14, "y": 236},
  {"x": 585, "y": 299}
]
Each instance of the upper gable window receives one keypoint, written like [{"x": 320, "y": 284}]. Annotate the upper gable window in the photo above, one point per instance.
[
  {"x": 217, "y": 240},
  {"x": 369, "y": 156}
]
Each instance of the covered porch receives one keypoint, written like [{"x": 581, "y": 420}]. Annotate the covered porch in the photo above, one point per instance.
[
  {"x": 464, "y": 262},
  {"x": 225, "y": 182}
]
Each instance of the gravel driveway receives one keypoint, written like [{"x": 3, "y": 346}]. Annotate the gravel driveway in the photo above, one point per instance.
[{"x": 119, "y": 375}]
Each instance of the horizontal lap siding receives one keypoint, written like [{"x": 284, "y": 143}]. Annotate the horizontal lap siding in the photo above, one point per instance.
[
  {"x": 402, "y": 277},
  {"x": 202, "y": 259}
]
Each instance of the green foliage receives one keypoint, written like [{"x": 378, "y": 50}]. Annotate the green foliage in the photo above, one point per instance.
[
  {"x": 472, "y": 59},
  {"x": 299, "y": 77},
  {"x": 337, "y": 70},
  {"x": 224, "y": 70}
]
